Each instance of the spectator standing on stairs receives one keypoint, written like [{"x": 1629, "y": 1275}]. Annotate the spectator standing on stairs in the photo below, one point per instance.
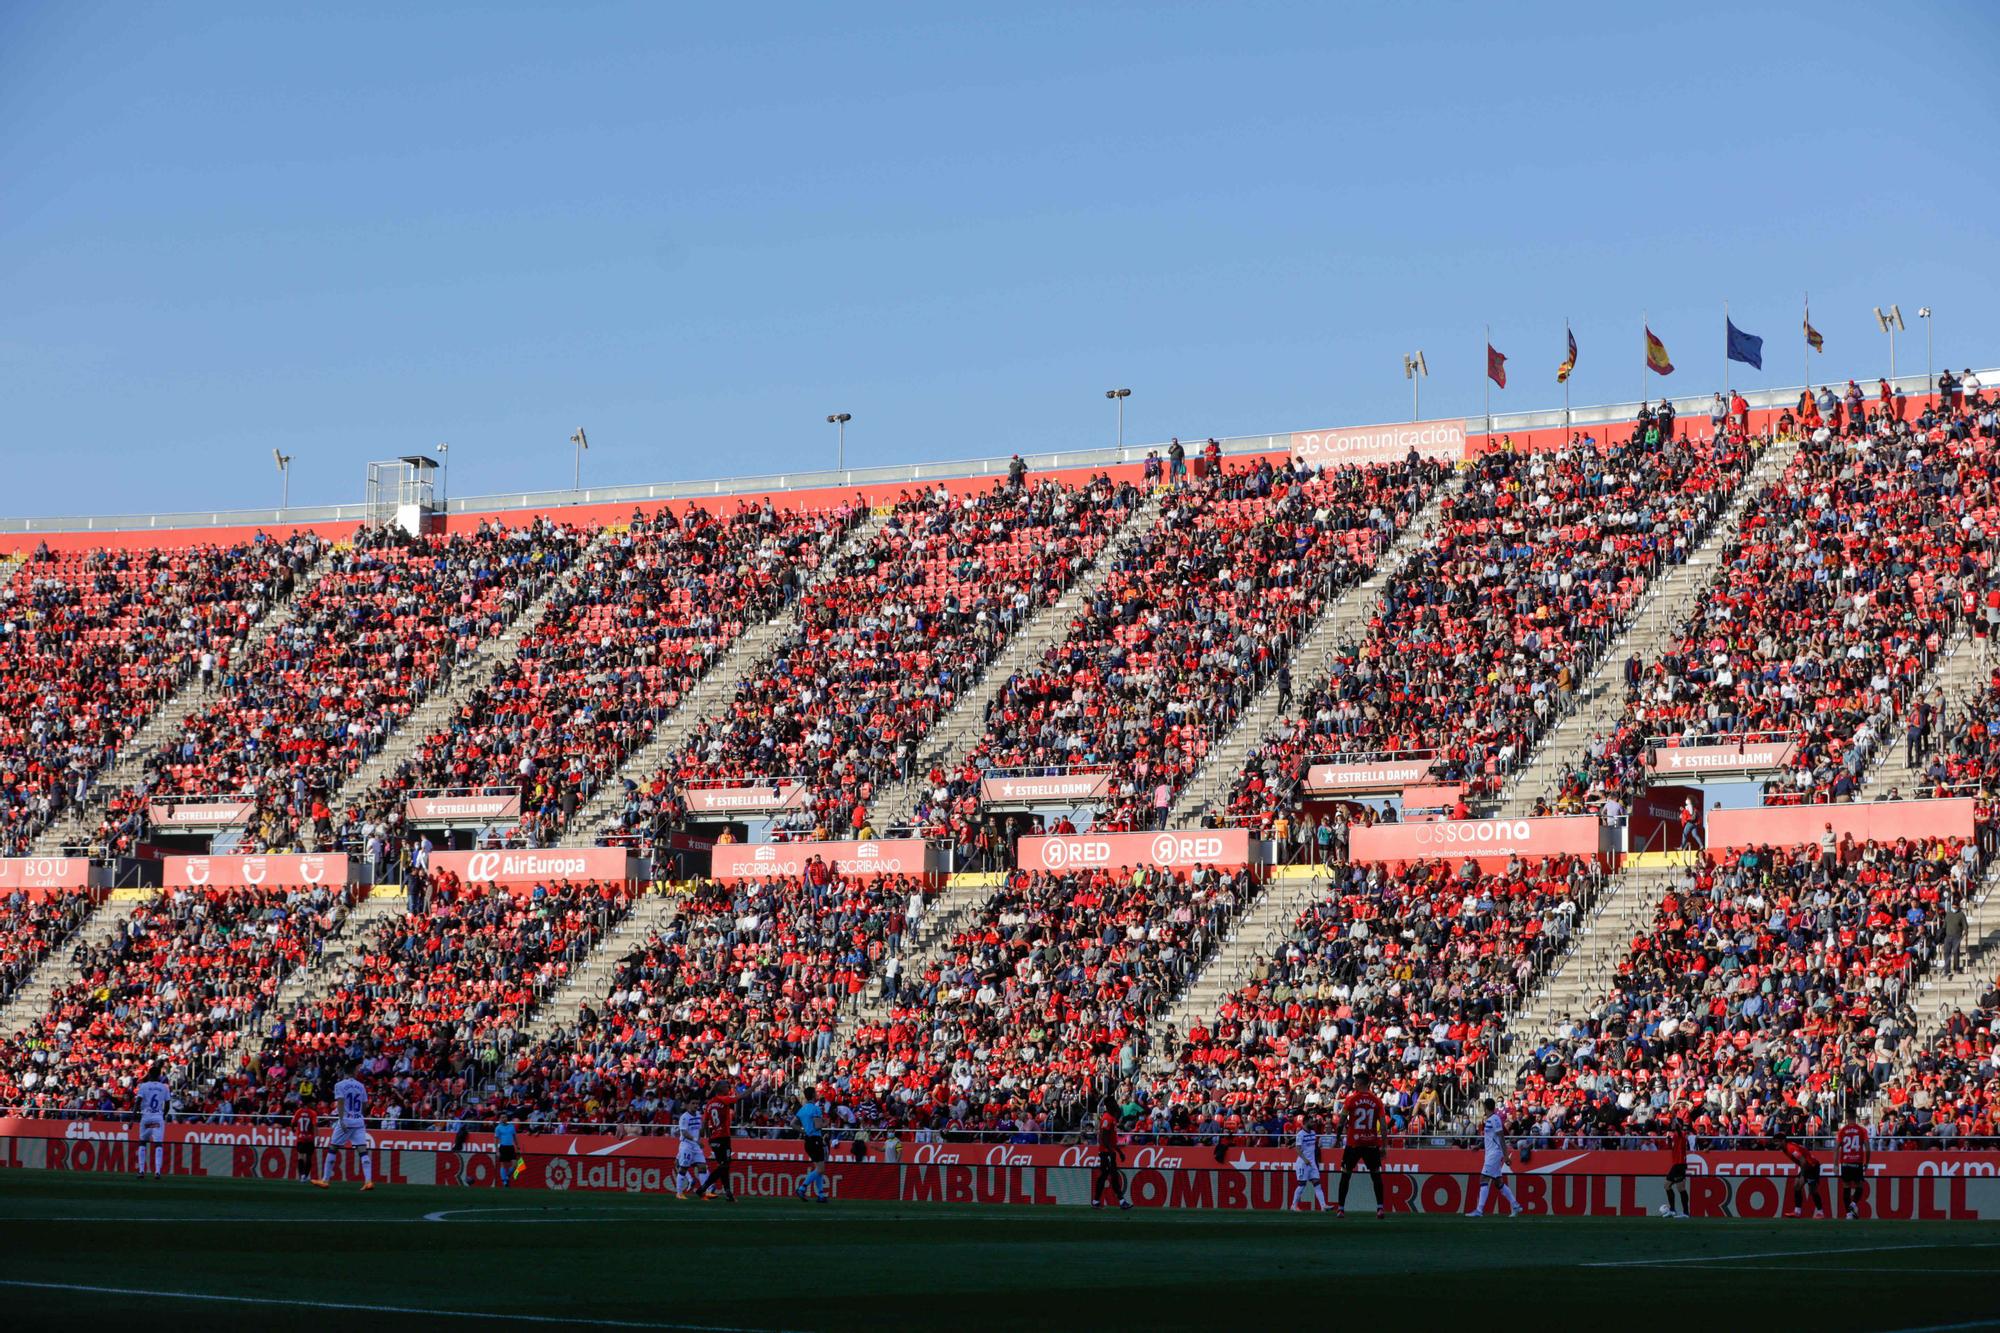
[{"x": 1954, "y": 934}]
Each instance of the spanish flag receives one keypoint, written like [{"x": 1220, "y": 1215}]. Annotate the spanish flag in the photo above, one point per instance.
[
  {"x": 1656, "y": 356},
  {"x": 1569, "y": 362}
]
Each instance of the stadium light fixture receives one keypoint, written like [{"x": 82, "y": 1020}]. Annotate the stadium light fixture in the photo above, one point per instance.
[
  {"x": 1119, "y": 396},
  {"x": 840, "y": 420},
  {"x": 1416, "y": 370},
  {"x": 284, "y": 462},
  {"x": 581, "y": 442},
  {"x": 1889, "y": 324}
]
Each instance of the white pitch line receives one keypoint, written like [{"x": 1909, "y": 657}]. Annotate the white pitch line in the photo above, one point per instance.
[
  {"x": 430, "y": 1311},
  {"x": 1783, "y": 1254},
  {"x": 1953, "y": 1328}
]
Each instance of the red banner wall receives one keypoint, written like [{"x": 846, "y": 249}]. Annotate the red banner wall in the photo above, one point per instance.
[
  {"x": 1490, "y": 842},
  {"x": 1688, "y": 760},
  {"x": 734, "y": 861},
  {"x": 443, "y": 809},
  {"x": 1227, "y": 848},
  {"x": 37, "y": 876},
  {"x": 525, "y": 868},
  {"x": 1872, "y": 821},
  {"x": 1584, "y": 1183},
  {"x": 755, "y": 799},
  {"x": 1051, "y": 787},
  {"x": 176, "y": 816},
  {"x": 1367, "y": 446},
  {"x": 252, "y": 872},
  {"x": 1384, "y": 775}
]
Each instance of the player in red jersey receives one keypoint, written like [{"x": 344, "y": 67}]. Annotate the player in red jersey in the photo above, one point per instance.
[
  {"x": 1363, "y": 1119},
  {"x": 303, "y": 1125},
  {"x": 1110, "y": 1157},
  {"x": 1805, "y": 1185},
  {"x": 717, "y": 1121},
  {"x": 1676, "y": 1141},
  {"x": 1850, "y": 1146}
]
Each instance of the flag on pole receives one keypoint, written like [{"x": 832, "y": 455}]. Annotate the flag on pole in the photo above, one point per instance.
[
  {"x": 1569, "y": 362},
  {"x": 1656, "y": 355},
  {"x": 1745, "y": 347},
  {"x": 1496, "y": 366},
  {"x": 1813, "y": 340}
]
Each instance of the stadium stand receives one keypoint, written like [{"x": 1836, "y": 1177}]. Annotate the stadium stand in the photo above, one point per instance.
[
  {"x": 176, "y": 984},
  {"x": 886, "y": 640},
  {"x": 92, "y": 644},
  {"x": 1772, "y": 984},
  {"x": 619, "y": 648},
  {"x": 33, "y": 928},
  {"x": 1481, "y": 639},
  {"x": 1205, "y": 608},
  {"x": 432, "y": 1002},
  {"x": 373, "y": 636}
]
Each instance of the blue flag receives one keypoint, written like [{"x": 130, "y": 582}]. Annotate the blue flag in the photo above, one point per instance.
[{"x": 1745, "y": 347}]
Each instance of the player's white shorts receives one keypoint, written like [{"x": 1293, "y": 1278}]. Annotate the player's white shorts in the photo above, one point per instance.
[
  {"x": 1307, "y": 1172},
  {"x": 152, "y": 1131},
  {"x": 690, "y": 1154},
  {"x": 1495, "y": 1165},
  {"x": 351, "y": 1136}
]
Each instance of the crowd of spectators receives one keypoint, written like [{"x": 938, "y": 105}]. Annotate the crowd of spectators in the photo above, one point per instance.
[
  {"x": 1406, "y": 972},
  {"x": 1951, "y": 1090},
  {"x": 632, "y": 630},
  {"x": 1770, "y": 992},
  {"x": 33, "y": 928},
  {"x": 1847, "y": 577},
  {"x": 432, "y": 1003},
  {"x": 888, "y": 637},
  {"x": 744, "y": 985},
  {"x": 371, "y": 637},
  {"x": 1198, "y": 615},
  {"x": 93, "y": 642},
  {"x": 177, "y": 985},
  {"x": 1481, "y": 640},
  {"x": 1037, "y": 1012}
]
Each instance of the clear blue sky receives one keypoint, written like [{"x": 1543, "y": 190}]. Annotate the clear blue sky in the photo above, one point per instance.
[{"x": 696, "y": 230}]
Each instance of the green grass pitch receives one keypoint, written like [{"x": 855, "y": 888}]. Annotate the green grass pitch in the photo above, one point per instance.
[{"x": 78, "y": 1251}]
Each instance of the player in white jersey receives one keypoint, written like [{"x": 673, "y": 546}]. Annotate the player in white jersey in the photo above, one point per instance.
[
  {"x": 690, "y": 1162},
  {"x": 1305, "y": 1167},
  {"x": 155, "y": 1101},
  {"x": 1493, "y": 1169},
  {"x": 350, "y": 1129}
]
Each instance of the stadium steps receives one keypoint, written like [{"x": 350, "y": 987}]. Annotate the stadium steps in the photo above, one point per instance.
[
  {"x": 1662, "y": 612},
  {"x": 1258, "y": 933},
  {"x": 305, "y": 984},
  {"x": 59, "y": 969},
  {"x": 1581, "y": 978},
  {"x": 591, "y": 980},
  {"x": 465, "y": 675},
  {"x": 1954, "y": 680},
  {"x": 715, "y": 688},
  {"x": 1342, "y": 622},
  {"x": 947, "y": 743},
  {"x": 129, "y": 767}
]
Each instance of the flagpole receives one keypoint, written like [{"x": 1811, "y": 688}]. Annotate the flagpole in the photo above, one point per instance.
[
  {"x": 1725, "y": 350},
  {"x": 1569, "y": 426},
  {"x": 1645, "y": 324},
  {"x": 1489, "y": 384},
  {"x": 1805, "y": 352}
]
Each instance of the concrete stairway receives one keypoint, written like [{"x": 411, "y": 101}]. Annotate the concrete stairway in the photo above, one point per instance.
[
  {"x": 76, "y": 825},
  {"x": 715, "y": 688},
  {"x": 591, "y": 980},
  {"x": 1343, "y": 620},
  {"x": 1941, "y": 994},
  {"x": 960, "y": 729},
  {"x": 475, "y": 669},
  {"x": 1957, "y": 677},
  {"x": 1581, "y": 978},
  {"x": 57, "y": 970},
  {"x": 1663, "y": 610},
  {"x": 1258, "y": 932}
]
